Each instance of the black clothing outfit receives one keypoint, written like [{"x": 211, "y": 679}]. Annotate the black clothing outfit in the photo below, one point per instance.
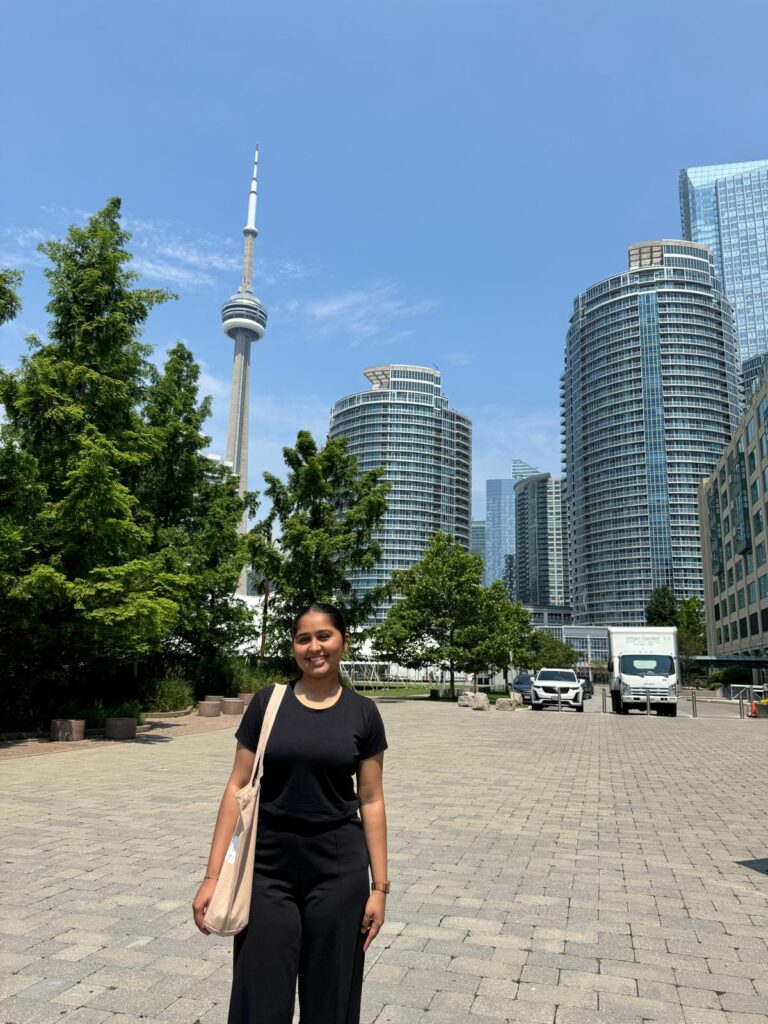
[{"x": 310, "y": 882}]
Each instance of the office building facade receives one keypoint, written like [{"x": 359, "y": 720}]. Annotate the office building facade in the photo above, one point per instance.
[
  {"x": 477, "y": 541},
  {"x": 541, "y": 557},
  {"x": 500, "y": 523},
  {"x": 405, "y": 424},
  {"x": 733, "y": 518},
  {"x": 650, "y": 397},
  {"x": 725, "y": 206}
]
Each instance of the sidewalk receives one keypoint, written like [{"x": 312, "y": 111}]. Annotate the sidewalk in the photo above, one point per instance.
[{"x": 546, "y": 869}]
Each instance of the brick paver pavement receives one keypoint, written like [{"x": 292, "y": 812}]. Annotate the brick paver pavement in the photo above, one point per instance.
[{"x": 549, "y": 869}]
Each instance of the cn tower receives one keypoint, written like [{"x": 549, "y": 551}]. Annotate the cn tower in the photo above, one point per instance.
[{"x": 244, "y": 320}]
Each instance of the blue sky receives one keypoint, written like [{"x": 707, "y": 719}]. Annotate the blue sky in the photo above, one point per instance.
[{"x": 439, "y": 178}]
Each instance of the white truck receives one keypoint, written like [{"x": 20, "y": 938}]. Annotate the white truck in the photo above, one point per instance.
[{"x": 643, "y": 662}]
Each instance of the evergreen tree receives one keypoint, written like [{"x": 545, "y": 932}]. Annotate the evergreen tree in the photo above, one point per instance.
[
  {"x": 108, "y": 512},
  {"x": 661, "y": 609}
]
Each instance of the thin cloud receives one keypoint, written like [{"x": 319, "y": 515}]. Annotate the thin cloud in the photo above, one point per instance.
[{"x": 360, "y": 314}]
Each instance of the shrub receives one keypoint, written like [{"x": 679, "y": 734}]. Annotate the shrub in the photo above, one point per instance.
[
  {"x": 128, "y": 709},
  {"x": 170, "y": 693},
  {"x": 250, "y": 677}
]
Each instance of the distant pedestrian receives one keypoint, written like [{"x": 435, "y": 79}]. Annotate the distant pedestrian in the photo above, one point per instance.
[{"x": 322, "y": 826}]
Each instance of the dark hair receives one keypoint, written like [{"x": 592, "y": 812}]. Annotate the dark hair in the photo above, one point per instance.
[{"x": 333, "y": 613}]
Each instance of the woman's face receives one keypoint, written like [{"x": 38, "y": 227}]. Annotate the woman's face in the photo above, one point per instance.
[{"x": 318, "y": 647}]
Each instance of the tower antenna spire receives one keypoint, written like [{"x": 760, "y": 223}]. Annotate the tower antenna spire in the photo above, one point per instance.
[{"x": 250, "y": 230}]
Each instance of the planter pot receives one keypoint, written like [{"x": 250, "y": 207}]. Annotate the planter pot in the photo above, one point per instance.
[
  {"x": 67, "y": 729},
  {"x": 214, "y": 696},
  {"x": 246, "y": 698},
  {"x": 231, "y": 706},
  {"x": 762, "y": 710},
  {"x": 120, "y": 729},
  {"x": 209, "y": 708}
]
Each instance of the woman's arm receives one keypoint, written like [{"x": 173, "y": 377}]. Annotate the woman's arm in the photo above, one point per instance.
[
  {"x": 226, "y": 820},
  {"x": 370, "y": 790}
]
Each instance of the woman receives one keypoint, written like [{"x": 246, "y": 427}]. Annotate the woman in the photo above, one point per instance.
[{"x": 313, "y": 914}]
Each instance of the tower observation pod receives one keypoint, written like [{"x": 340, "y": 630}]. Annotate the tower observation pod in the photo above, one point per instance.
[{"x": 244, "y": 320}]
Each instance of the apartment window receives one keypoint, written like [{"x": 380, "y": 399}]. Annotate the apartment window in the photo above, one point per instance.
[
  {"x": 728, "y": 552},
  {"x": 731, "y": 603},
  {"x": 757, "y": 522},
  {"x": 762, "y": 585},
  {"x": 764, "y": 619},
  {"x": 753, "y": 626},
  {"x": 741, "y": 598},
  {"x": 760, "y": 554},
  {"x": 743, "y": 627},
  {"x": 718, "y": 636},
  {"x": 751, "y": 430},
  {"x": 749, "y": 562},
  {"x": 726, "y": 524},
  {"x": 726, "y": 632},
  {"x": 752, "y": 462},
  {"x": 751, "y": 593},
  {"x": 739, "y": 570},
  {"x": 754, "y": 490},
  {"x": 730, "y": 577}
]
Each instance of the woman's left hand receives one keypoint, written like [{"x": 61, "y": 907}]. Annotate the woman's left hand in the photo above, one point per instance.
[{"x": 373, "y": 917}]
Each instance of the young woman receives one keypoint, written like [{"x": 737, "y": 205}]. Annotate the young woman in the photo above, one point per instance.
[{"x": 313, "y": 913}]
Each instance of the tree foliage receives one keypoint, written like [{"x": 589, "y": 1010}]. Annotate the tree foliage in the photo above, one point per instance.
[
  {"x": 318, "y": 532},
  {"x": 550, "y": 652},
  {"x": 661, "y": 609},
  {"x": 118, "y": 540},
  {"x": 691, "y": 632},
  {"x": 10, "y": 301},
  {"x": 447, "y": 618}
]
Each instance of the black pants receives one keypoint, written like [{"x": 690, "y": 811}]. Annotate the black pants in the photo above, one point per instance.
[{"x": 310, "y": 886}]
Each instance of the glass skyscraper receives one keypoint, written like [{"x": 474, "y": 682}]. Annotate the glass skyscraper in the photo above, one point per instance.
[
  {"x": 650, "y": 395},
  {"x": 404, "y": 423},
  {"x": 725, "y": 206},
  {"x": 541, "y": 556},
  {"x": 500, "y": 523}
]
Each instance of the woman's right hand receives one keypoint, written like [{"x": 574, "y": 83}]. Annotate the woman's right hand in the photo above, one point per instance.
[{"x": 200, "y": 903}]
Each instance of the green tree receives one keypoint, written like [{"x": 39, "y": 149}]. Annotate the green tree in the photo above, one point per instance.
[
  {"x": 446, "y": 617},
  {"x": 691, "y": 631},
  {"x": 107, "y": 553},
  {"x": 661, "y": 609},
  {"x": 195, "y": 511},
  {"x": 550, "y": 652},
  {"x": 318, "y": 532},
  {"x": 10, "y": 302}
]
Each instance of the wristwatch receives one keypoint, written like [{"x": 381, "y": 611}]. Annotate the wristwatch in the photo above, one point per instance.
[{"x": 380, "y": 886}]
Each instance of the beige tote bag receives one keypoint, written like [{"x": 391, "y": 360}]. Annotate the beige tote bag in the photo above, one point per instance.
[{"x": 227, "y": 913}]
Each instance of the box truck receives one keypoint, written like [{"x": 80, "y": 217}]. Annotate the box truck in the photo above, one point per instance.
[{"x": 643, "y": 662}]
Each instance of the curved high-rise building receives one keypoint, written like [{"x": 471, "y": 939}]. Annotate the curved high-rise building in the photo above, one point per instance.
[
  {"x": 404, "y": 423},
  {"x": 649, "y": 400}
]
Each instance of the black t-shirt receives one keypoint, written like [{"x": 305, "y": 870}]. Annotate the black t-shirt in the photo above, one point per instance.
[{"x": 312, "y": 755}]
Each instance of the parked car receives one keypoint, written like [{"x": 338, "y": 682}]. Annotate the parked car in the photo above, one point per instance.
[
  {"x": 588, "y": 687},
  {"x": 522, "y": 685},
  {"x": 558, "y": 687}
]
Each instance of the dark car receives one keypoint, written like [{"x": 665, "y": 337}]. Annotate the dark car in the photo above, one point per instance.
[
  {"x": 588, "y": 687},
  {"x": 522, "y": 685}
]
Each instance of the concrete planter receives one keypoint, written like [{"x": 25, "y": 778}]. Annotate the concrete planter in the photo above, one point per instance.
[
  {"x": 762, "y": 710},
  {"x": 120, "y": 729},
  {"x": 209, "y": 708},
  {"x": 246, "y": 698},
  {"x": 215, "y": 696},
  {"x": 231, "y": 706},
  {"x": 67, "y": 729}
]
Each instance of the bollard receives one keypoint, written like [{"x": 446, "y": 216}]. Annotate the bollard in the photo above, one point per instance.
[
  {"x": 693, "y": 703},
  {"x": 741, "y": 704},
  {"x": 647, "y": 702},
  {"x": 604, "y": 699},
  {"x": 559, "y": 700}
]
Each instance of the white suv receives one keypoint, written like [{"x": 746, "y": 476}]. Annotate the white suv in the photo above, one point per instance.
[{"x": 557, "y": 686}]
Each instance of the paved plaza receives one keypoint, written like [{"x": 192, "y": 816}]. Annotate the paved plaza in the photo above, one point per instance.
[{"x": 546, "y": 868}]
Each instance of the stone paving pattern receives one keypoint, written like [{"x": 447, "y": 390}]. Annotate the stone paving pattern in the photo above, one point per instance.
[{"x": 547, "y": 869}]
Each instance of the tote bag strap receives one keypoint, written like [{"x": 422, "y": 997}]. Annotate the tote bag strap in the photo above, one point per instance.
[{"x": 266, "y": 728}]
